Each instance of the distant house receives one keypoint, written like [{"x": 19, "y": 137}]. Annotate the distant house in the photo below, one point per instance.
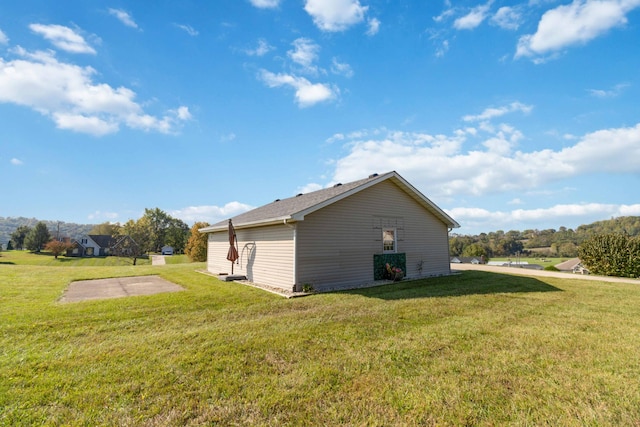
[
  {"x": 96, "y": 245},
  {"x": 90, "y": 245},
  {"x": 167, "y": 250},
  {"x": 574, "y": 265},
  {"x": 337, "y": 238},
  {"x": 467, "y": 260}
]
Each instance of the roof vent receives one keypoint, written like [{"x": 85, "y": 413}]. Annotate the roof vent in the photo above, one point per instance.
[
  {"x": 276, "y": 200},
  {"x": 373, "y": 175},
  {"x": 299, "y": 194},
  {"x": 337, "y": 185}
]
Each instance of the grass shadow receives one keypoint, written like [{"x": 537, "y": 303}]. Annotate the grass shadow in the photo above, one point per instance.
[
  {"x": 466, "y": 283},
  {"x": 7, "y": 262}
]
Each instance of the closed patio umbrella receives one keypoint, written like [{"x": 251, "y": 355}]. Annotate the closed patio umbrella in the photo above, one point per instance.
[{"x": 232, "y": 255}]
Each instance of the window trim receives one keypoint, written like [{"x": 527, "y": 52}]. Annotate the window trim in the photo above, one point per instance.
[{"x": 394, "y": 231}]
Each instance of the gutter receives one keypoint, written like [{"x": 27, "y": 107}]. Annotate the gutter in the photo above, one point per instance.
[{"x": 271, "y": 221}]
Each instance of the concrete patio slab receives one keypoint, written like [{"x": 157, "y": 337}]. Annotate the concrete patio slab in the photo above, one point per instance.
[{"x": 117, "y": 288}]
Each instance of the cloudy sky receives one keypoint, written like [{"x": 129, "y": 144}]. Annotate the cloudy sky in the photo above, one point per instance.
[{"x": 508, "y": 115}]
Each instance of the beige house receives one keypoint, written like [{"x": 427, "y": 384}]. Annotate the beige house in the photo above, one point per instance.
[
  {"x": 337, "y": 238},
  {"x": 574, "y": 265}
]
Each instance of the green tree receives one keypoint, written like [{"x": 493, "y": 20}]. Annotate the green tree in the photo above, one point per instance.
[
  {"x": 177, "y": 234},
  {"x": 18, "y": 236},
  {"x": 37, "y": 237},
  {"x": 157, "y": 221},
  {"x": 126, "y": 247},
  {"x": 196, "y": 248},
  {"x": 475, "y": 249},
  {"x": 106, "y": 229},
  {"x": 140, "y": 232}
]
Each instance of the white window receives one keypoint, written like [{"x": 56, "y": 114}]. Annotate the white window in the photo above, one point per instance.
[{"x": 389, "y": 240}]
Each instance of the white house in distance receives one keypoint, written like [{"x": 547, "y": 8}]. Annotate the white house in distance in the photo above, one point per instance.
[{"x": 337, "y": 238}]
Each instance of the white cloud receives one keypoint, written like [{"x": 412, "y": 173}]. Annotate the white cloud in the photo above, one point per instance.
[
  {"x": 335, "y": 137},
  {"x": 228, "y": 137},
  {"x": 341, "y": 68},
  {"x": 67, "y": 94},
  {"x": 63, "y": 38},
  {"x": 439, "y": 164},
  {"x": 474, "y": 18},
  {"x": 182, "y": 113},
  {"x": 16, "y": 162},
  {"x": 335, "y": 15},
  {"x": 98, "y": 215},
  {"x": 188, "y": 29},
  {"x": 373, "y": 26},
  {"x": 445, "y": 14},
  {"x": 307, "y": 93},
  {"x": 442, "y": 50},
  {"x": 265, "y": 4},
  {"x": 611, "y": 93},
  {"x": 3, "y": 38},
  {"x": 262, "y": 49},
  {"x": 304, "y": 53},
  {"x": 123, "y": 17},
  {"x": 508, "y": 18},
  {"x": 575, "y": 23},
  {"x": 491, "y": 113},
  {"x": 210, "y": 214},
  {"x": 84, "y": 124},
  {"x": 309, "y": 188}
]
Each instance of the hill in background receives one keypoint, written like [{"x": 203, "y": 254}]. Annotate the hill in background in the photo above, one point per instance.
[{"x": 66, "y": 229}]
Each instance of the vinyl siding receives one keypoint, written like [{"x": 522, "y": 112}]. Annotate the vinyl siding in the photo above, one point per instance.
[
  {"x": 336, "y": 244},
  {"x": 266, "y": 255}
]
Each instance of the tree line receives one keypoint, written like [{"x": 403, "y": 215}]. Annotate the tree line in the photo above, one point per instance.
[
  {"x": 153, "y": 230},
  {"x": 564, "y": 242}
]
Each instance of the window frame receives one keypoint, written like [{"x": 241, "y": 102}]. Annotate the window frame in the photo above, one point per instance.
[{"x": 394, "y": 232}]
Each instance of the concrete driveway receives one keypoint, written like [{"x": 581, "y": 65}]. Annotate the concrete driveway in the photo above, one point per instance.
[
  {"x": 158, "y": 260},
  {"x": 117, "y": 288}
]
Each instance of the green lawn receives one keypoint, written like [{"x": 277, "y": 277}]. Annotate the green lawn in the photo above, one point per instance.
[
  {"x": 46, "y": 259},
  {"x": 472, "y": 349},
  {"x": 543, "y": 261},
  {"x": 176, "y": 259}
]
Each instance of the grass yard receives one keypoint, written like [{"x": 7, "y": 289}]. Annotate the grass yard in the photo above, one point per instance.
[
  {"x": 46, "y": 259},
  {"x": 472, "y": 349},
  {"x": 177, "y": 259},
  {"x": 543, "y": 261}
]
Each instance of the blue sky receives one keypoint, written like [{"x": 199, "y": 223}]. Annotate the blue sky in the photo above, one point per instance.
[{"x": 508, "y": 115}]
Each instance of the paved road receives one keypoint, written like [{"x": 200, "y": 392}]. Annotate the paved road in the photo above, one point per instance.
[{"x": 528, "y": 272}]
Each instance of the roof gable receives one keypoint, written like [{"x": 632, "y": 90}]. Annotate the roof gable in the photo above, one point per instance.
[
  {"x": 102, "y": 240},
  {"x": 297, "y": 207}
]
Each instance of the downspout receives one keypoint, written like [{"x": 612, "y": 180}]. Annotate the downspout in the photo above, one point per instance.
[
  {"x": 295, "y": 252},
  {"x": 449, "y": 229}
]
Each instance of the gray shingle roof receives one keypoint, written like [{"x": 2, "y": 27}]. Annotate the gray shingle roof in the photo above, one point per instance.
[
  {"x": 102, "y": 240},
  {"x": 294, "y": 208}
]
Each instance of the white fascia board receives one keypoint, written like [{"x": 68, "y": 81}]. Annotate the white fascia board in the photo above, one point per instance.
[
  {"x": 270, "y": 221},
  {"x": 424, "y": 200}
]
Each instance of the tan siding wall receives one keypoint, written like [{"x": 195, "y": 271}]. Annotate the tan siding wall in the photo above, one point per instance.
[
  {"x": 336, "y": 244},
  {"x": 266, "y": 255}
]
